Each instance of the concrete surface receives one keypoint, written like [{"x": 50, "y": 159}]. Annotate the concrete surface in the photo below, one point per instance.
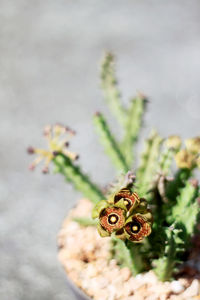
[{"x": 49, "y": 54}]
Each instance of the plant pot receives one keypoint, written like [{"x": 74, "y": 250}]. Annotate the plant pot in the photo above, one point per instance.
[
  {"x": 84, "y": 255},
  {"x": 78, "y": 293}
]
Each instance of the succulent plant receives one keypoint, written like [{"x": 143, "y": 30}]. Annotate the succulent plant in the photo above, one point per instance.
[{"x": 150, "y": 214}]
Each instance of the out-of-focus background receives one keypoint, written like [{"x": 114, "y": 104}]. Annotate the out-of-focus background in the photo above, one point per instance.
[{"x": 49, "y": 72}]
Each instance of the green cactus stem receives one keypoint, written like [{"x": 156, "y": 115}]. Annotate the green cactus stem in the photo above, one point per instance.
[
  {"x": 173, "y": 187},
  {"x": 110, "y": 89},
  {"x": 73, "y": 174},
  {"x": 166, "y": 160},
  {"x": 133, "y": 125},
  {"x": 109, "y": 143},
  {"x": 164, "y": 266},
  {"x": 127, "y": 255},
  {"x": 149, "y": 164},
  {"x": 186, "y": 210}
]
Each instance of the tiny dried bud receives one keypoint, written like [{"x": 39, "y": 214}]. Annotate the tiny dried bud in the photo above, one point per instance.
[
  {"x": 142, "y": 96},
  {"x": 194, "y": 182},
  {"x": 69, "y": 130},
  {"x": 30, "y": 150},
  {"x": 45, "y": 170},
  {"x": 47, "y": 130},
  {"x": 55, "y": 153},
  {"x": 129, "y": 179},
  {"x": 32, "y": 167}
]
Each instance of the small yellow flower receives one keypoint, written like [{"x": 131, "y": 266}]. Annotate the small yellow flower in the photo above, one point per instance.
[
  {"x": 173, "y": 141},
  {"x": 185, "y": 159},
  {"x": 193, "y": 145},
  {"x": 57, "y": 143}
]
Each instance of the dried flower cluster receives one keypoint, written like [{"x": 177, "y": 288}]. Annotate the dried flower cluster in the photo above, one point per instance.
[
  {"x": 57, "y": 137},
  {"x": 125, "y": 215}
]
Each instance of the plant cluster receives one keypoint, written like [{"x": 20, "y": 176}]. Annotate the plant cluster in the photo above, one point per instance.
[{"x": 150, "y": 213}]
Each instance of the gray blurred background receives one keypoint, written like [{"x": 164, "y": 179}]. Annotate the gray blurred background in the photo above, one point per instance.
[{"x": 49, "y": 67}]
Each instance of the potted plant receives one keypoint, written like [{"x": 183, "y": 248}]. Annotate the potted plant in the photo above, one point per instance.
[{"x": 137, "y": 238}]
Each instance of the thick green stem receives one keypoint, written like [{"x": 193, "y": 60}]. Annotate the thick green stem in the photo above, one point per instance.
[
  {"x": 166, "y": 160},
  {"x": 186, "y": 210},
  {"x": 110, "y": 89},
  {"x": 127, "y": 255},
  {"x": 149, "y": 164},
  {"x": 81, "y": 182},
  {"x": 109, "y": 143},
  {"x": 164, "y": 266},
  {"x": 132, "y": 128},
  {"x": 173, "y": 187}
]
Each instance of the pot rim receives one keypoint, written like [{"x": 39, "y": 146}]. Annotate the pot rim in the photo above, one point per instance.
[{"x": 77, "y": 290}]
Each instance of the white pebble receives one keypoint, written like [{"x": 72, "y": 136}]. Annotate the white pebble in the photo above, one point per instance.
[
  {"x": 192, "y": 290},
  {"x": 176, "y": 287}
]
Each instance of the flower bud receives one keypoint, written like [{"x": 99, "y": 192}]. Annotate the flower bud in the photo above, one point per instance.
[
  {"x": 173, "y": 141},
  {"x": 185, "y": 159},
  {"x": 193, "y": 145}
]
